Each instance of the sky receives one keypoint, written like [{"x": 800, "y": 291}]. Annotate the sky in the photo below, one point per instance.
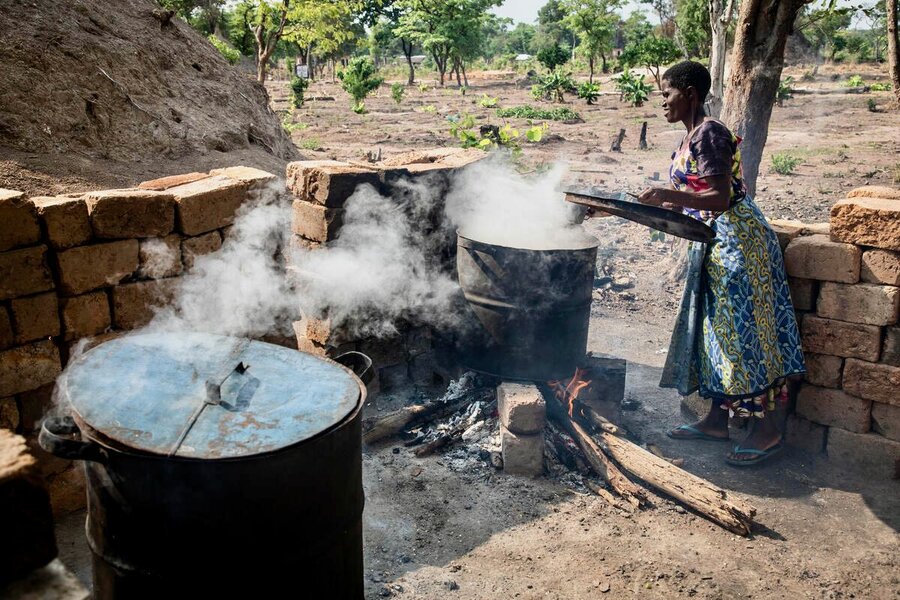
[{"x": 525, "y": 11}]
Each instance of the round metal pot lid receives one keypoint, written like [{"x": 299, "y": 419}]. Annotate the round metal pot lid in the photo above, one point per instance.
[{"x": 197, "y": 395}]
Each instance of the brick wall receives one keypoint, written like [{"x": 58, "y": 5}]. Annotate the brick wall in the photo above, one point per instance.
[{"x": 845, "y": 284}]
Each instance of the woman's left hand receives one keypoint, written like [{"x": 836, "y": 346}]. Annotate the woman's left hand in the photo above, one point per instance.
[{"x": 653, "y": 196}]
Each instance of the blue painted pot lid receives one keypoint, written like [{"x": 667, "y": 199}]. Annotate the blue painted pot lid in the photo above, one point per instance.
[{"x": 197, "y": 395}]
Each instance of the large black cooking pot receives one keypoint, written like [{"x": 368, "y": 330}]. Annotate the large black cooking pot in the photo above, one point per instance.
[
  {"x": 531, "y": 307},
  {"x": 216, "y": 466}
]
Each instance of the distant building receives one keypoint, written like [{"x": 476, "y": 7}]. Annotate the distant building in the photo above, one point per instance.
[
  {"x": 522, "y": 57},
  {"x": 417, "y": 59}
]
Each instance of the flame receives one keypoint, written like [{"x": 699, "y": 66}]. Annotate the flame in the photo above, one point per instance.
[{"x": 567, "y": 394}]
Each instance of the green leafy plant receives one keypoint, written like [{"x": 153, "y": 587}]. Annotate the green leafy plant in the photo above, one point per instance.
[
  {"x": 854, "y": 81},
  {"x": 589, "y": 92},
  {"x": 562, "y": 113},
  {"x": 488, "y": 102},
  {"x": 288, "y": 124},
  {"x": 397, "y": 91},
  {"x": 553, "y": 56},
  {"x": 430, "y": 108},
  {"x": 423, "y": 87},
  {"x": 489, "y": 137},
  {"x": 553, "y": 85},
  {"x": 784, "y": 91},
  {"x": 881, "y": 87},
  {"x": 784, "y": 163},
  {"x": 359, "y": 80},
  {"x": 632, "y": 88},
  {"x": 463, "y": 89},
  {"x": 298, "y": 88},
  {"x": 872, "y": 105},
  {"x": 657, "y": 236},
  {"x": 230, "y": 54},
  {"x": 311, "y": 144}
]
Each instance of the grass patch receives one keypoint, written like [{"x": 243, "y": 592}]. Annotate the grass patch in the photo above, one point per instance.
[
  {"x": 311, "y": 144},
  {"x": 529, "y": 112},
  {"x": 784, "y": 163}
]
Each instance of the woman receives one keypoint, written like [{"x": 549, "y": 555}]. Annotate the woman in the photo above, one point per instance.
[{"x": 736, "y": 339}]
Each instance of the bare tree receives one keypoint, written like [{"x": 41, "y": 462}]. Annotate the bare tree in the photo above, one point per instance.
[
  {"x": 756, "y": 62},
  {"x": 893, "y": 48},
  {"x": 720, "y": 13}
]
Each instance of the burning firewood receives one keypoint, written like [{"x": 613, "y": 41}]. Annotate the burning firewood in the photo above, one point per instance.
[{"x": 456, "y": 430}]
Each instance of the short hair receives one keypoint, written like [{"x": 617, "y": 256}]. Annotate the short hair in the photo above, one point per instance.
[{"x": 689, "y": 74}]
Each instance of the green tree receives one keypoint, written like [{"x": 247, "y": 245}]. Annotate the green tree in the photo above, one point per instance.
[
  {"x": 652, "y": 52},
  {"x": 520, "y": 40},
  {"x": 635, "y": 28},
  {"x": 203, "y": 15},
  {"x": 553, "y": 56},
  {"x": 240, "y": 32},
  {"x": 552, "y": 29},
  {"x": 595, "y": 23},
  {"x": 825, "y": 29},
  {"x": 359, "y": 79},
  {"x": 692, "y": 26}
]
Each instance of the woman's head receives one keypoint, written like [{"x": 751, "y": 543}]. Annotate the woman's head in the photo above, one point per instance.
[{"x": 684, "y": 88}]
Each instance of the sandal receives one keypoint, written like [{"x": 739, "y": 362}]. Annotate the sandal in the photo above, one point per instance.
[
  {"x": 760, "y": 455},
  {"x": 694, "y": 434}
]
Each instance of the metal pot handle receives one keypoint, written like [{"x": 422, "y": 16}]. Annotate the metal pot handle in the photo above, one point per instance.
[
  {"x": 359, "y": 363},
  {"x": 52, "y": 439}
]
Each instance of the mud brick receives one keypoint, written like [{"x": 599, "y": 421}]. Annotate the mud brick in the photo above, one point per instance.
[
  {"x": 384, "y": 352},
  {"x": 7, "y": 337},
  {"x": 861, "y": 303},
  {"x": 816, "y": 229},
  {"x": 18, "y": 221},
  {"x": 866, "y": 454},
  {"x": 393, "y": 377},
  {"x": 67, "y": 490},
  {"x": 321, "y": 331},
  {"x": 886, "y": 420},
  {"x": 867, "y": 221},
  {"x": 418, "y": 341},
  {"x": 804, "y": 434},
  {"x": 28, "y": 539},
  {"x": 422, "y": 370},
  {"x": 34, "y": 404},
  {"x": 817, "y": 257},
  {"x": 65, "y": 220},
  {"x": 201, "y": 245},
  {"x": 28, "y": 367},
  {"x": 316, "y": 222},
  {"x": 786, "y": 230},
  {"x": 35, "y": 317},
  {"x": 86, "y": 315},
  {"x": 823, "y": 370},
  {"x": 9, "y": 414},
  {"x": 837, "y": 338},
  {"x": 874, "y": 191},
  {"x": 87, "y": 268},
  {"x": 872, "y": 381},
  {"x": 122, "y": 214},
  {"x": 160, "y": 257},
  {"x": 165, "y": 183},
  {"x": 834, "y": 407},
  {"x": 521, "y": 407},
  {"x": 256, "y": 179},
  {"x": 133, "y": 303},
  {"x": 207, "y": 204},
  {"x": 522, "y": 454},
  {"x": 327, "y": 182},
  {"x": 890, "y": 355},
  {"x": 880, "y": 266},
  {"x": 803, "y": 293},
  {"x": 24, "y": 272}
]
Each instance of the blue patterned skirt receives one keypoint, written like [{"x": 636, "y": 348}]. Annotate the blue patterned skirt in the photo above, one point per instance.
[{"x": 736, "y": 337}]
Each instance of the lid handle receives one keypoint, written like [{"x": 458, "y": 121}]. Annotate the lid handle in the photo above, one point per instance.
[{"x": 214, "y": 383}]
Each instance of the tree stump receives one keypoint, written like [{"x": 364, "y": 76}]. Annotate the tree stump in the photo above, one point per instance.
[
  {"x": 643, "y": 142},
  {"x": 617, "y": 143}
]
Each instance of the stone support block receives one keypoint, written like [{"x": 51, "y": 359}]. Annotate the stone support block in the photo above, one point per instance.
[
  {"x": 786, "y": 230},
  {"x": 521, "y": 407},
  {"x": 327, "y": 182},
  {"x": 122, "y": 214},
  {"x": 316, "y": 222},
  {"x": 87, "y": 268},
  {"x": 867, "y": 221},
  {"x": 160, "y": 257},
  {"x": 817, "y": 257},
  {"x": 823, "y": 370},
  {"x": 860, "y": 303},
  {"x": 890, "y": 354},
  {"x": 886, "y": 420},
  {"x": 423, "y": 370},
  {"x": 834, "y": 407},
  {"x": 804, "y": 434},
  {"x": 18, "y": 221},
  {"x": 193, "y": 247},
  {"x": 418, "y": 341},
  {"x": 393, "y": 377},
  {"x": 880, "y": 266},
  {"x": 134, "y": 303},
  {"x": 7, "y": 336},
  {"x": 165, "y": 183},
  {"x": 384, "y": 352},
  {"x": 28, "y": 367},
  {"x": 867, "y": 455},
  {"x": 65, "y": 220},
  {"x": 522, "y": 454},
  {"x": 872, "y": 381},
  {"x": 34, "y": 404},
  {"x": 9, "y": 414},
  {"x": 875, "y": 191},
  {"x": 207, "y": 204},
  {"x": 85, "y": 315},
  {"x": 837, "y": 338},
  {"x": 24, "y": 272},
  {"x": 803, "y": 293},
  {"x": 35, "y": 317},
  {"x": 255, "y": 179}
]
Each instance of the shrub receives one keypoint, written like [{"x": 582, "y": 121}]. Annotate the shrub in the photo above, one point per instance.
[
  {"x": 397, "y": 91},
  {"x": 230, "y": 54},
  {"x": 423, "y": 87},
  {"x": 529, "y": 112},
  {"x": 429, "y": 109},
  {"x": 552, "y": 56},
  {"x": 589, "y": 92},
  {"x": 488, "y": 102},
  {"x": 311, "y": 144},
  {"x": 880, "y": 87},
  {"x": 631, "y": 88},
  {"x": 298, "y": 87},
  {"x": 359, "y": 80},
  {"x": 784, "y": 91},
  {"x": 488, "y": 137},
  {"x": 854, "y": 81},
  {"x": 553, "y": 85},
  {"x": 872, "y": 105},
  {"x": 784, "y": 163}
]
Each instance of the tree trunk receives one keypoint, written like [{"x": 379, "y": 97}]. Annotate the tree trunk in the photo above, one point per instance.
[
  {"x": 591, "y": 68},
  {"x": 407, "y": 52},
  {"x": 719, "y": 19},
  {"x": 756, "y": 63},
  {"x": 603, "y": 66},
  {"x": 462, "y": 65},
  {"x": 893, "y": 48}
]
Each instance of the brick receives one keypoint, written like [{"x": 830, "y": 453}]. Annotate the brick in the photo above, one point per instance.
[
  {"x": 67, "y": 490},
  {"x": 880, "y": 266},
  {"x": 87, "y": 268},
  {"x": 817, "y": 257},
  {"x": 316, "y": 222},
  {"x": 418, "y": 341},
  {"x": 890, "y": 354},
  {"x": 393, "y": 377},
  {"x": 872, "y": 381},
  {"x": 201, "y": 245},
  {"x": 255, "y": 179},
  {"x": 65, "y": 220},
  {"x": 521, "y": 407},
  {"x": 28, "y": 538},
  {"x": 786, "y": 230},
  {"x": 886, "y": 420},
  {"x": 423, "y": 371},
  {"x": 320, "y": 330},
  {"x": 24, "y": 272},
  {"x": 86, "y": 315},
  {"x": 133, "y": 303},
  {"x": 207, "y": 204},
  {"x": 874, "y": 191},
  {"x": 522, "y": 454},
  {"x": 834, "y": 407},
  {"x": 160, "y": 257},
  {"x": 18, "y": 221},
  {"x": 165, "y": 183},
  {"x": 823, "y": 370},
  {"x": 7, "y": 337},
  {"x": 35, "y": 317},
  {"x": 867, "y": 455},
  {"x": 384, "y": 352},
  {"x": 864, "y": 303},
  {"x": 867, "y": 221},
  {"x": 122, "y": 214},
  {"x": 327, "y": 182},
  {"x": 804, "y": 434},
  {"x": 9, "y": 414},
  {"x": 28, "y": 367},
  {"x": 34, "y": 404},
  {"x": 816, "y": 229},
  {"x": 837, "y": 338},
  {"x": 803, "y": 293}
]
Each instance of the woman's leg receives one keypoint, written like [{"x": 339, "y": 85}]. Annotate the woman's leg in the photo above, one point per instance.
[
  {"x": 764, "y": 435},
  {"x": 714, "y": 424}
]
